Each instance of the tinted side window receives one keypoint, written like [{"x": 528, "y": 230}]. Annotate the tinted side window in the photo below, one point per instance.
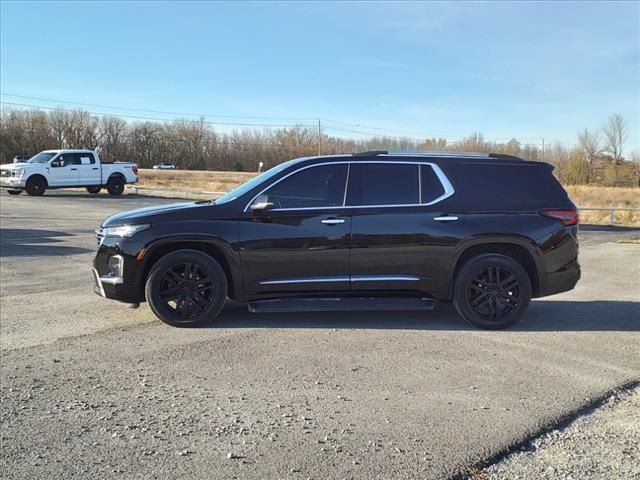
[
  {"x": 496, "y": 187},
  {"x": 313, "y": 187},
  {"x": 431, "y": 188},
  {"x": 384, "y": 184}
]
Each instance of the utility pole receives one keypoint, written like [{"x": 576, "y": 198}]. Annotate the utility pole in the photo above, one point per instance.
[
  {"x": 319, "y": 138},
  {"x": 543, "y": 149}
]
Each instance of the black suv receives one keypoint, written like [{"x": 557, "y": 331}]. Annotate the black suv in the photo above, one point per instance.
[{"x": 372, "y": 230}]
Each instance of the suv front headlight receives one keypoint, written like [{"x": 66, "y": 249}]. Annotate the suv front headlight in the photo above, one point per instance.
[
  {"x": 17, "y": 172},
  {"x": 123, "y": 230}
]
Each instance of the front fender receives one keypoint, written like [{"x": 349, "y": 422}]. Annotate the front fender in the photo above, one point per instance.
[{"x": 222, "y": 246}]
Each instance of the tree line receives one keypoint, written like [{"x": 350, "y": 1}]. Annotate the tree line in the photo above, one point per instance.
[{"x": 597, "y": 157}]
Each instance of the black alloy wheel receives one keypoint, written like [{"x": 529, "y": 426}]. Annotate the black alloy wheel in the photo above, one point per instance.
[
  {"x": 36, "y": 186},
  {"x": 492, "y": 291},
  {"x": 115, "y": 186},
  {"x": 186, "y": 287}
]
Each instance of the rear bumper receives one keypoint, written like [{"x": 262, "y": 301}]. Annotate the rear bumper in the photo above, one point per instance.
[{"x": 560, "y": 281}]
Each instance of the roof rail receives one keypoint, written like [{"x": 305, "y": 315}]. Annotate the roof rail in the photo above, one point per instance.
[
  {"x": 370, "y": 153},
  {"x": 442, "y": 153},
  {"x": 504, "y": 156}
]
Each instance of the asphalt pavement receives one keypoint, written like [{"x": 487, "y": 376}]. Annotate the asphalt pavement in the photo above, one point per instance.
[{"x": 91, "y": 389}]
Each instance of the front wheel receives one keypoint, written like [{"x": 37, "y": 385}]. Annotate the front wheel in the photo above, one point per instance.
[
  {"x": 115, "y": 186},
  {"x": 94, "y": 189},
  {"x": 186, "y": 288},
  {"x": 36, "y": 186},
  {"x": 14, "y": 192},
  {"x": 492, "y": 291}
]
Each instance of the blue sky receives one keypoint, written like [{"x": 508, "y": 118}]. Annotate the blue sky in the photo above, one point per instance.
[{"x": 525, "y": 70}]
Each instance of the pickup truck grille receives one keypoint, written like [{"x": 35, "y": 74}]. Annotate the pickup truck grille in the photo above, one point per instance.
[
  {"x": 99, "y": 236},
  {"x": 5, "y": 173}
]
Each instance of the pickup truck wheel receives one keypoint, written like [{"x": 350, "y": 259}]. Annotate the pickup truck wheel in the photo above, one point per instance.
[
  {"x": 186, "y": 288},
  {"x": 36, "y": 186},
  {"x": 492, "y": 291},
  {"x": 94, "y": 189},
  {"x": 14, "y": 192},
  {"x": 115, "y": 186}
]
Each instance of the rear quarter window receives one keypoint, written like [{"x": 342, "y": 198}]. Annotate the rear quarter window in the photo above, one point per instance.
[
  {"x": 496, "y": 187},
  {"x": 430, "y": 186}
]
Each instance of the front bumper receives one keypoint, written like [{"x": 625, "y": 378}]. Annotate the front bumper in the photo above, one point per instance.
[
  {"x": 12, "y": 182},
  {"x": 125, "y": 285}
]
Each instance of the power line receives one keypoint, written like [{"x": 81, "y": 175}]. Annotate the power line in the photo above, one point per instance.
[
  {"x": 163, "y": 112},
  {"x": 138, "y": 117},
  {"x": 207, "y": 115}
]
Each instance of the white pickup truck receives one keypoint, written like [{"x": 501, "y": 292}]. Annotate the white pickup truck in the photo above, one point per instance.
[{"x": 66, "y": 169}]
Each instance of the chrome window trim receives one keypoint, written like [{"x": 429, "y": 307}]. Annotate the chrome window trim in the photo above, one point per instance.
[
  {"x": 346, "y": 186},
  {"x": 444, "y": 180},
  {"x": 420, "y": 184}
]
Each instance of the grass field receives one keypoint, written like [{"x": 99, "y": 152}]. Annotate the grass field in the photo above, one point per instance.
[{"x": 584, "y": 196}]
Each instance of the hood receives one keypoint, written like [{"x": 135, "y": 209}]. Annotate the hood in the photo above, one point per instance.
[
  {"x": 204, "y": 210},
  {"x": 13, "y": 166}
]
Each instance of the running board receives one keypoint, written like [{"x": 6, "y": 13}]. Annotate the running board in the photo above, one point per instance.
[{"x": 375, "y": 304}]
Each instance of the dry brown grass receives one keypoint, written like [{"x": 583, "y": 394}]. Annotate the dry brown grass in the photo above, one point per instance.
[
  {"x": 197, "y": 180},
  {"x": 584, "y": 196}
]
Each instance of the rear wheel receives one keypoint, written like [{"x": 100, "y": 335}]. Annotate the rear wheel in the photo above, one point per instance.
[
  {"x": 14, "y": 192},
  {"x": 36, "y": 186},
  {"x": 186, "y": 288},
  {"x": 94, "y": 189},
  {"x": 492, "y": 291},
  {"x": 115, "y": 186}
]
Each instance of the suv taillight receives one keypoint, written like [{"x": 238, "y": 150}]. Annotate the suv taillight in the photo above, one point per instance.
[
  {"x": 567, "y": 217},
  {"x": 135, "y": 169}
]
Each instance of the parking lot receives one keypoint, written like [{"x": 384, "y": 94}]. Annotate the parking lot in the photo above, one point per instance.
[{"x": 92, "y": 389}]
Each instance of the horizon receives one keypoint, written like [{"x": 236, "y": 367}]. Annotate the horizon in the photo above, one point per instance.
[{"x": 549, "y": 72}]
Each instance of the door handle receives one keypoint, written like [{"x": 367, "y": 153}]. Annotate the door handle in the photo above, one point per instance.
[
  {"x": 73, "y": 169},
  {"x": 95, "y": 168},
  {"x": 446, "y": 218},
  {"x": 332, "y": 221}
]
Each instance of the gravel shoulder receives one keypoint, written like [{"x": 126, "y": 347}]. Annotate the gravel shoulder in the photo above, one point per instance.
[{"x": 601, "y": 445}]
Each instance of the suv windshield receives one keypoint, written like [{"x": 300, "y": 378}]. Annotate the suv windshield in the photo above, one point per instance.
[
  {"x": 42, "y": 157},
  {"x": 255, "y": 181}
]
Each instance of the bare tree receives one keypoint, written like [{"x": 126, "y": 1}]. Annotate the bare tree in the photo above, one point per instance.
[
  {"x": 615, "y": 132},
  {"x": 113, "y": 131},
  {"x": 635, "y": 165},
  {"x": 590, "y": 145}
]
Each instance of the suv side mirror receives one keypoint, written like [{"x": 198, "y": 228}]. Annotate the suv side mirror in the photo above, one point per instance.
[
  {"x": 261, "y": 206},
  {"x": 56, "y": 163},
  {"x": 261, "y": 203}
]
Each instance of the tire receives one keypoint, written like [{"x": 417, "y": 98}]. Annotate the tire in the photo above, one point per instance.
[
  {"x": 115, "y": 186},
  {"x": 14, "y": 192},
  {"x": 36, "y": 186},
  {"x": 176, "y": 298},
  {"x": 94, "y": 189},
  {"x": 492, "y": 291}
]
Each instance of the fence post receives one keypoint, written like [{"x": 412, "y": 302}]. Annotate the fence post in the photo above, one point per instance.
[{"x": 611, "y": 211}]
